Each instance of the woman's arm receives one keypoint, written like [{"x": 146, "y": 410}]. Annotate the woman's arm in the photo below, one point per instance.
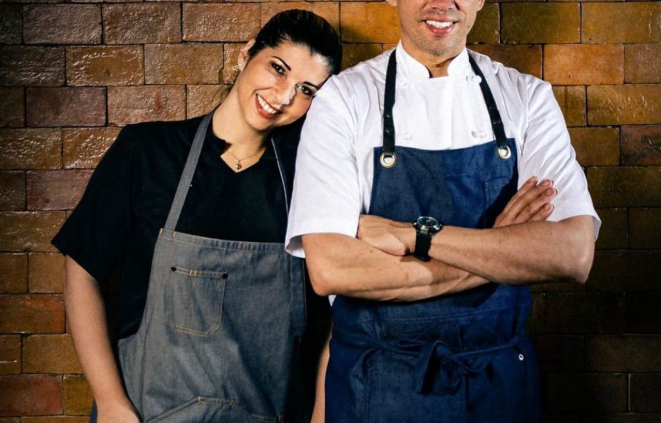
[
  {"x": 87, "y": 319},
  {"x": 319, "y": 413}
]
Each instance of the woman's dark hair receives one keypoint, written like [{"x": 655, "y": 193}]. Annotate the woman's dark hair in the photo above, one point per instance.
[{"x": 304, "y": 28}]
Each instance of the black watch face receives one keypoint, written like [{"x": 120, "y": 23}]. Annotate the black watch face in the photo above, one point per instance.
[{"x": 428, "y": 224}]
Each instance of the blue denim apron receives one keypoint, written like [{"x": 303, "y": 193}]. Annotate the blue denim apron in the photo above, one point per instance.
[
  {"x": 221, "y": 326},
  {"x": 464, "y": 357}
]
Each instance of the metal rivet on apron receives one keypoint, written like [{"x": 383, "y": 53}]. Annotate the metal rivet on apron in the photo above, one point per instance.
[
  {"x": 521, "y": 357},
  {"x": 223, "y": 275},
  {"x": 388, "y": 160},
  {"x": 504, "y": 152},
  {"x": 173, "y": 268}
]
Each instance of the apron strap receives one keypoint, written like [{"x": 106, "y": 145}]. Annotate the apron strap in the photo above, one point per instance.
[
  {"x": 388, "y": 157},
  {"x": 188, "y": 173},
  {"x": 494, "y": 114}
]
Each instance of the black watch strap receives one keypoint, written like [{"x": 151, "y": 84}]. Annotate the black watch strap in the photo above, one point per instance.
[{"x": 422, "y": 245}]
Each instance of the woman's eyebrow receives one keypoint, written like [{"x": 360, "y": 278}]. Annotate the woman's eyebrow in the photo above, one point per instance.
[{"x": 283, "y": 62}]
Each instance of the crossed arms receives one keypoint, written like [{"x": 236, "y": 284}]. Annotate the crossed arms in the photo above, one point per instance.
[{"x": 521, "y": 248}]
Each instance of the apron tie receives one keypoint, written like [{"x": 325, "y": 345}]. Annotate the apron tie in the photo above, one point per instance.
[{"x": 430, "y": 356}]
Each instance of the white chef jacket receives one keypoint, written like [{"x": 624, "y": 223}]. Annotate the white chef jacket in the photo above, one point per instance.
[{"x": 334, "y": 167}]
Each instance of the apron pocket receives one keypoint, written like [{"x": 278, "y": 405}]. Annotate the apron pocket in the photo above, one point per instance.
[{"x": 195, "y": 299}]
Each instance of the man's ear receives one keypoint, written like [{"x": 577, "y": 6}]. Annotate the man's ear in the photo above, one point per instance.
[
  {"x": 480, "y": 5},
  {"x": 243, "y": 54}
]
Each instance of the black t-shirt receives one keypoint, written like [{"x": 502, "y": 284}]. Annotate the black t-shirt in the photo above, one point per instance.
[{"x": 113, "y": 230}]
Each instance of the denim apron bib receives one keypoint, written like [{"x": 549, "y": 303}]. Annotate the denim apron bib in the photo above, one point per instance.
[
  {"x": 218, "y": 337},
  {"x": 464, "y": 357}
]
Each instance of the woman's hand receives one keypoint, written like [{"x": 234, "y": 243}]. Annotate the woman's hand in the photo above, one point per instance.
[{"x": 117, "y": 413}]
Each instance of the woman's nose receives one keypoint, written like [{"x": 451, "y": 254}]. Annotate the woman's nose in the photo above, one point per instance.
[{"x": 285, "y": 93}]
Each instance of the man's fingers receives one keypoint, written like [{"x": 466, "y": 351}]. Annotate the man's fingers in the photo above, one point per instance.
[
  {"x": 528, "y": 197},
  {"x": 525, "y": 188},
  {"x": 542, "y": 214},
  {"x": 537, "y": 204}
]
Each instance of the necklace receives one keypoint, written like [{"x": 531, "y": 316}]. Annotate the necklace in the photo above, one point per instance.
[{"x": 238, "y": 164}]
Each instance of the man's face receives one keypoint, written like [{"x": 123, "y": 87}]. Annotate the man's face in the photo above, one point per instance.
[{"x": 436, "y": 29}]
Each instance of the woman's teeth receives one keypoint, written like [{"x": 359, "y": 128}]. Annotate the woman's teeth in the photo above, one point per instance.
[{"x": 265, "y": 105}]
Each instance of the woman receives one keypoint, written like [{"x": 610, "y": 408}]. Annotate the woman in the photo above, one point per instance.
[{"x": 210, "y": 311}]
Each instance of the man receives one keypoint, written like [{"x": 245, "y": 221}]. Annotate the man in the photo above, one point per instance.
[{"x": 441, "y": 137}]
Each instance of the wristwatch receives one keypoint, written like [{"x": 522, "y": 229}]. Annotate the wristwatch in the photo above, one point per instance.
[{"x": 425, "y": 228}]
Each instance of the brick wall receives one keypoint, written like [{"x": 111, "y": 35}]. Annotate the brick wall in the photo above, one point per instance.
[{"x": 72, "y": 73}]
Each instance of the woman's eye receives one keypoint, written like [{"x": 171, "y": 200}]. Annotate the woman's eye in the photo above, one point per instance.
[
  {"x": 278, "y": 68},
  {"x": 306, "y": 90}
]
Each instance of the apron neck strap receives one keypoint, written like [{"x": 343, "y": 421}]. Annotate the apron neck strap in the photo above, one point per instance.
[
  {"x": 388, "y": 103},
  {"x": 188, "y": 173},
  {"x": 494, "y": 114}
]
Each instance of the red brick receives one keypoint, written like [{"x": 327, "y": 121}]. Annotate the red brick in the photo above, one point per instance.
[
  {"x": 645, "y": 229},
  {"x": 572, "y": 103},
  {"x": 10, "y": 354},
  {"x": 30, "y": 395},
  {"x": 12, "y": 107},
  {"x": 631, "y": 271},
  {"x": 624, "y": 104},
  {"x": 31, "y": 314},
  {"x": 645, "y": 393},
  {"x": 77, "y": 396},
  {"x": 105, "y": 65},
  {"x": 204, "y": 98},
  {"x": 369, "y": 23},
  {"x": 588, "y": 393},
  {"x": 559, "y": 353},
  {"x": 84, "y": 147},
  {"x": 11, "y": 24},
  {"x": 621, "y": 22},
  {"x": 625, "y": 186},
  {"x": 142, "y": 23},
  {"x": 628, "y": 353},
  {"x": 614, "y": 232},
  {"x": 56, "y": 419},
  {"x": 49, "y": 354},
  {"x": 585, "y": 312},
  {"x": 230, "y": 66},
  {"x": 30, "y": 148},
  {"x": 642, "y": 63},
  {"x": 138, "y": 104},
  {"x": 643, "y": 312},
  {"x": 537, "y": 321},
  {"x": 355, "y": 53},
  {"x": 12, "y": 190},
  {"x": 46, "y": 274},
  {"x": 29, "y": 231},
  {"x": 540, "y": 23},
  {"x": 79, "y": 106},
  {"x": 596, "y": 146},
  {"x": 31, "y": 66},
  {"x": 220, "y": 22},
  {"x": 524, "y": 58},
  {"x": 641, "y": 145},
  {"x": 62, "y": 24},
  {"x": 583, "y": 64},
  {"x": 183, "y": 64},
  {"x": 56, "y": 189},
  {"x": 13, "y": 273},
  {"x": 327, "y": 10},
  {"x": 487, "y": 26}
]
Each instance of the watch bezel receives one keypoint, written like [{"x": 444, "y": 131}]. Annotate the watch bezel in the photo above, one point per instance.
[{"x": 422, "y": 224}]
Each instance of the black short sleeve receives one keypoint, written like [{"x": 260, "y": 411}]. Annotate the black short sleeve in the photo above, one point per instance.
[{"x": 98, "y": 230}]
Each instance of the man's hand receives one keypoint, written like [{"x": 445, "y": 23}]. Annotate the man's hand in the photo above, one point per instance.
[{"x": 532, "y": 203}]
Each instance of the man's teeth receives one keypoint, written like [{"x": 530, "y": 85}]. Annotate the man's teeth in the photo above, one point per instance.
[
  {"x": 266, "y": 106},
  {"x": 437, "y": 24}
]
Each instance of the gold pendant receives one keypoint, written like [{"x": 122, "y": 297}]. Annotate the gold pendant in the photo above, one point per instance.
[{"x": 238, "y": 165}]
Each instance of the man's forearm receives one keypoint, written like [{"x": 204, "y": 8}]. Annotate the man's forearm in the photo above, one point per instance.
[
  {"x": 525, "y": 253},
  {"x": 342, "y": 265}
]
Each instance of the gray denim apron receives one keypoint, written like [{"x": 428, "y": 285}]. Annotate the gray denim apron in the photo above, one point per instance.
[{"x": 221, "y": 326}]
